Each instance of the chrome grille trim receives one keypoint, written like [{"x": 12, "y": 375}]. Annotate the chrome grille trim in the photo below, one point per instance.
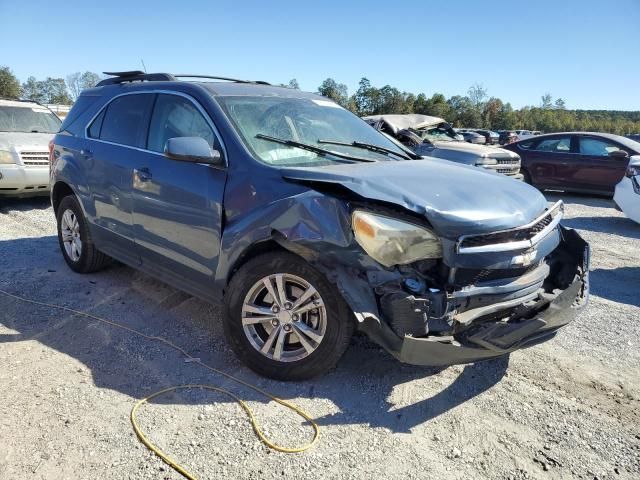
[
  {"x": 534, "y": 231},
  {"x": 34, "y": 158}
]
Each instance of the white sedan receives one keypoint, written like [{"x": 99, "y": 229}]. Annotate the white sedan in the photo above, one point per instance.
[{"x": 627, "y": 196}]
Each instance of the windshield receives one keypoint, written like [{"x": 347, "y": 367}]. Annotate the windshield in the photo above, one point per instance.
[
  {"x": 318, "y": 123},
  {"x": 439, "y": 135},
  {"x": 28, "y": 119},
  {"x": 630, "y": 143}
]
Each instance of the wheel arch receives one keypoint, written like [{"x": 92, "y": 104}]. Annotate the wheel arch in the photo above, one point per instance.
[{"x": 58, "y": 192}]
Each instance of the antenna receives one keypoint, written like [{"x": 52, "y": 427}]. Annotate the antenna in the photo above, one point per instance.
[{"x": 143, "y": 65}]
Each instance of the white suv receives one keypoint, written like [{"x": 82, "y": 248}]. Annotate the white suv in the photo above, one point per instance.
[{"x": 26, "y": 128}]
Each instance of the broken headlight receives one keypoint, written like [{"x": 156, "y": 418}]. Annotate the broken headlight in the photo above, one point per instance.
[{"x": 394, "y": 242}]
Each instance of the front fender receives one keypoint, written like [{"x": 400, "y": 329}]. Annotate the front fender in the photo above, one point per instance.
[{"x": 315, "y": 226}]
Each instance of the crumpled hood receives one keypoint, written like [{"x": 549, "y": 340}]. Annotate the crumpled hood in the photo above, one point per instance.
[
  {"x": 456, "y": 199},
  {"x": 13, "y": 140},
  {"x": 476, "y": 149}
]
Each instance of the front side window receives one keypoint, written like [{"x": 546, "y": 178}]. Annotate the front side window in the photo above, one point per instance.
[
  {"x": 175, "y": 116},
  {"x": 597, "y": 147},
  {"x": 29, "y": 119},
  {"x": 557, "y": 144},
  {"x": 312, "y": 121},
  {"x": 125, "y": 120}
]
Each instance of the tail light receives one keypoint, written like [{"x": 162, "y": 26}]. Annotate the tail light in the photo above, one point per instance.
[{"x": 51, "y": 145}]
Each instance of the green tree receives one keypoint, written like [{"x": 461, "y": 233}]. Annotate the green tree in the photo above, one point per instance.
[
  {"x": 547, "y": 101},
  {"x": 50, "y": 90},
  {"x": 335, "y": 91},
  {"x": 365, "y": 98},
  {"x": 9, "y": 84},
  {"x": 32, "y": 89},
  {"x": 559, "y": 104},
  {"x": 293, "y": 83}
]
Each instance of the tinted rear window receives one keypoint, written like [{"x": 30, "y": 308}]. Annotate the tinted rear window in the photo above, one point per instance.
[{"x": 125, "y": 121}]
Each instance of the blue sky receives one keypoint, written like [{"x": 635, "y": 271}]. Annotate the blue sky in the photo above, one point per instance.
[{"x": 585, "y": 51}]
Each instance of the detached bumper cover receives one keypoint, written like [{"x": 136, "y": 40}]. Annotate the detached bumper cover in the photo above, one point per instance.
[{"x": 495, "y": 338}]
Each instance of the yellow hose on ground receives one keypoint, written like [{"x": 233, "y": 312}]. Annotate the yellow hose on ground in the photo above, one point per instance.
[{"x": 143, "y": 438}]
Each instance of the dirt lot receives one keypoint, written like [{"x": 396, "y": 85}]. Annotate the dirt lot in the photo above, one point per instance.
[{"x": 569, "y": 408}]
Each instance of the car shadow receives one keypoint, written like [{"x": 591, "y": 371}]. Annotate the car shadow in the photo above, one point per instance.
[
  {"x": 616, "y": 284},
  {"x": 366, "y": 387}
]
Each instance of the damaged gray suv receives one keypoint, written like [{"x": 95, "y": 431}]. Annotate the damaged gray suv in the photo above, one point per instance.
[{"x": 308, "y": 224}]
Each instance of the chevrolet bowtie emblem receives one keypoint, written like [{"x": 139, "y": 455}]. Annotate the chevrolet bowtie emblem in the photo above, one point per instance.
[{"x": 525, "y": 259}]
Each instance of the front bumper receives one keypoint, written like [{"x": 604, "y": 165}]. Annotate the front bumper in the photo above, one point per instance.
[
  {"x": 19, "y": 180},
  {"x": 627, "y": 197},
  {"x": 492, "y": 338}
]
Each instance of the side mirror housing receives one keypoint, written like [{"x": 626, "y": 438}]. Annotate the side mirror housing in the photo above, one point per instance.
[
  {"x": 621, "y": 154},
  {"x": 192, "y": 149}
]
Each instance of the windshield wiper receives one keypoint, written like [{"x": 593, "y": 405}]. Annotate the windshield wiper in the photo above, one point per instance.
[
  {"x": 312, "y": 148},
  {"x": 367, "y": 146}
]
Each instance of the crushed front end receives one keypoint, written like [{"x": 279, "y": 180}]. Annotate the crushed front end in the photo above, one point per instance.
[{"x": 488, "y": 294}]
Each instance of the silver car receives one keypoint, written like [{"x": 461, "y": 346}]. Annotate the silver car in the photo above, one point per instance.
[
  {"x": 433, "y": 137},
  {"x": 26, "y": 128}
]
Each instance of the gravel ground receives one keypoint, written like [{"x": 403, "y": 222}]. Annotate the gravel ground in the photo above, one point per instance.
[{"x": 568, "y": 408}]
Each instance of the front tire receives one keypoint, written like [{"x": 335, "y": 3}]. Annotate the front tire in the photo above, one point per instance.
[
  {"x": 284, "y": 320},
  {"x": 75, "y": 241}
]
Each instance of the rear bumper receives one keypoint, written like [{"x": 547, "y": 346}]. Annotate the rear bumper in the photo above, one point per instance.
[
  {"x": 492, "y": 338},
  {"x": 19, "y": 180}
]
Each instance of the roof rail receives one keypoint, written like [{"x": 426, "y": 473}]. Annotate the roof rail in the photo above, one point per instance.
[
  {"x": 139, "y": 76},
  {"x": 134, "y": 76},
  {"x": 212, "y": 77}
]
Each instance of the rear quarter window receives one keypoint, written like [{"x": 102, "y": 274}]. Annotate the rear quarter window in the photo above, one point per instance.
[{"x": 76, "y": 120}]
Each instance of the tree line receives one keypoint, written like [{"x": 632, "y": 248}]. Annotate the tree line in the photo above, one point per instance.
[
  {"x": 59, "y": 91},
  {"x": 474, "y": 110},
  {"x": 478, "y": 110}
]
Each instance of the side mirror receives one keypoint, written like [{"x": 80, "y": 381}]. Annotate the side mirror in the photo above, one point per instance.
[
  {"x": 192, "y": 149},
  {"x": 620, "y": 154}
]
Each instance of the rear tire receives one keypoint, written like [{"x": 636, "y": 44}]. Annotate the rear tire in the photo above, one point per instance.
[
  {"x": 75, "y": 240},
  {"x": 274, "y": 335}
]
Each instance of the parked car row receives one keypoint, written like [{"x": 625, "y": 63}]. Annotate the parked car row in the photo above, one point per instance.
[
  {"x": 307, "y": 223},
  {"x": 433, "y": 137},
  {"x": 490, "y": 137},
  {"x": 575, "y": 161}
]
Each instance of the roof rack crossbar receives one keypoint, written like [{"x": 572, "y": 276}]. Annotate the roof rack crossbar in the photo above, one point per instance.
[{"x": 134, "y": 76}]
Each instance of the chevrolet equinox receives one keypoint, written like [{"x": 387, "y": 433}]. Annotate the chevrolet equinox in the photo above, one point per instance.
[{"x": 307, "y": 223}]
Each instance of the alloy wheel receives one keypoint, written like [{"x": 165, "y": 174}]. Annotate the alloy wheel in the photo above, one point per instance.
[
  {"x": 70, "y": 232},
  {"x": 284, "y": 317}
]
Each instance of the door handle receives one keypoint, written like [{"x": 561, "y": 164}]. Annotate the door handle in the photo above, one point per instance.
[{"x": 142, "y": 174}]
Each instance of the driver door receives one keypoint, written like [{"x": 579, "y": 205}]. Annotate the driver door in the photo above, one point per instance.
[{"x": 177, "y": 206}]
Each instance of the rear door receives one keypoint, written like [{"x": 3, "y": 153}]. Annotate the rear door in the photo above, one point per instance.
[
  {"x": 600, "y": 171},
  {"x": 116, "y": 136},
  {"x": 177, "y": 206},
  {"x": 550, "y": 160}
]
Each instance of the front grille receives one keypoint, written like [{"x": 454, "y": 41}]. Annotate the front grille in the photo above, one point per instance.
[
  {"x": 508, "y": 171},
  {"x": 473, "y": 276},
  {"x": 35, "y": 159},
  {"x": 508, "y": 161},
  {"x": 517, "y": 238}
]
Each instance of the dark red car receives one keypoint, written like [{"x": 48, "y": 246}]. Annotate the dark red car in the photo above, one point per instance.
[{"x": 575, "y": 161}]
